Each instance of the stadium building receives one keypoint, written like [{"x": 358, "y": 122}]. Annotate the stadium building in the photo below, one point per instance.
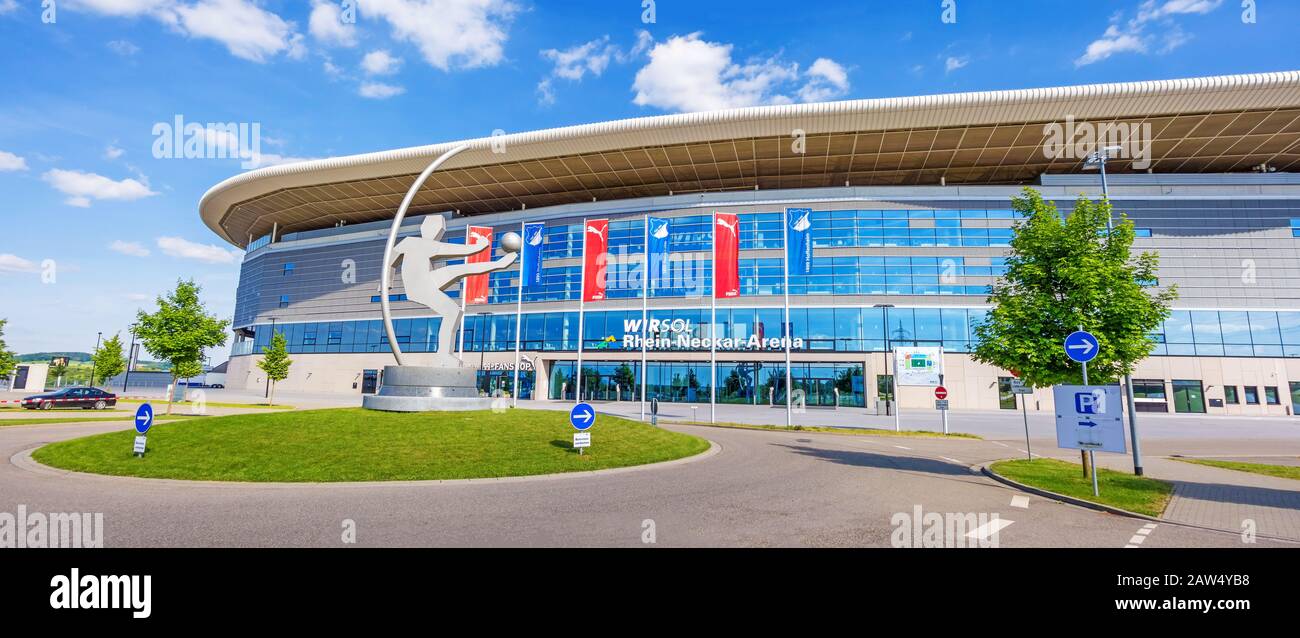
[{"x": 910, "y": 225}]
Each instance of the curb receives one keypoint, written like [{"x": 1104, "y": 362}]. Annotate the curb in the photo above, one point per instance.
[
  {"x": 830, "y": 429},
  {"x": 1110, "y": 509},
  {"x": 23, "y": 460}
]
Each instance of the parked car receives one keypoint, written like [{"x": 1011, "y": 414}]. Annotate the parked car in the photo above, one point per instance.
[{"x": 84, "y": 398}]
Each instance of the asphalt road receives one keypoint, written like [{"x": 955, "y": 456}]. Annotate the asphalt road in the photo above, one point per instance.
[{"x": 757, "y": 489}]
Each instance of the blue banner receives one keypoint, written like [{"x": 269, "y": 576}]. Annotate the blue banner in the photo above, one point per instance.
[
  {"x": 658, "y": 245},
  {"x": 799, "y": 248},
  {"x": 530, "y": 257}
]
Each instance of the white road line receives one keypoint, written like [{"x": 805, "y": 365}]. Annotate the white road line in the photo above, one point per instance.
[
  {"x": 1145, "y": 531},
  {"x": 1130, "y": 547},
  {"x": 1149, "y": 526},
  {"x": 902, "y": 448},
  {"x": 1141, "y": 535},
  {"x": 1020, "y": 501},
  {"x": 1000, "y": 443},
  {"x": 1137, "y": 540},
  {"x": 983, "y": 532},
  {"x": 950, "y": 459}
]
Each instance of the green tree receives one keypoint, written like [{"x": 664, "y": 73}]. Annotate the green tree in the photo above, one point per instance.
[
  {"x": 59, "y": 370},
  {"x": 179, "y": 331},
  {"x": 109, "y": 361},
  {"x": 1064, "y": 274},
  {"x": 275, "y": 362},
  {"x": 8, "y": 359}
]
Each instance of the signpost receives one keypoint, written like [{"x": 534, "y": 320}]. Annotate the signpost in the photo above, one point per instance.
[
  {"x": 941, "y": 403},
  {"x": 143, "y": 421},
  {"x": 1090, "y": 417},
  {"x": 1018, "y": 387},
  {"x": 582, "y": 417},
  {"x": 1082, "y": 346}
]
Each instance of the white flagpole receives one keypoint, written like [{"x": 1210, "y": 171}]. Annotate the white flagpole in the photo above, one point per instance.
[
  {"x": 519, "y": 316},
  {"x": 713, "y": 329},
  {"x": 464, "y": 294},
  {"x": 645, "y": 308},
  {"x": 787, "y": 329},
  {"x": 582, "y": 304}
]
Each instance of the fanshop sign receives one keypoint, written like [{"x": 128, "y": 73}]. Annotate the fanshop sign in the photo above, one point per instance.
[{"x": 679, "y": 334}]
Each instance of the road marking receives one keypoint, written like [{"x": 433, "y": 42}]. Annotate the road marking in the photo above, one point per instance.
[
  {"x": 902, "y": 448},
  {"x": 999, "y": 443},
  {"x": 1137, "y": 540},
  {"x": 950, "y": 459},
  {"x": 983, "y": 532},
  {"x": 1144, "y": 531},
  {"x": 1020, "y": 501},
  {"x": 1141, "y": 535}
]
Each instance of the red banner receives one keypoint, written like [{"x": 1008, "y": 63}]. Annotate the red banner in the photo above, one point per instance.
[
  {"x": 726, "y": 255},
  {"x": 476, "y": 286},
  {"x": 595, "y": 257}
]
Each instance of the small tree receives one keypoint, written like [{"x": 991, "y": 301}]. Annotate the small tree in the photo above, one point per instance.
[
  {"x": 275, "y": 362},
  {"x": 109, "y": 361},
  {"x": 179, "y": 331},
  {"x": 8, "y": 360},
  {"x": 58, "y": 370},
  {"x": 1064, "y": 274}
]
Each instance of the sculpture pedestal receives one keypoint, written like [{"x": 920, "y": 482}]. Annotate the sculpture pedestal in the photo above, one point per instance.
[{"x": 427, "y": 389}]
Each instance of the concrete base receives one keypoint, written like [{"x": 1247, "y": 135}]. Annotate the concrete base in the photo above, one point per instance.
[{"x": 427, "y": 389}]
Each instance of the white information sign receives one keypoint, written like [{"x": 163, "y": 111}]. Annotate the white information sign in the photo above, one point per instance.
[{"x": 918, "y": 366}]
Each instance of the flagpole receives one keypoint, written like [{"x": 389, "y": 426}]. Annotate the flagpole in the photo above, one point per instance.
[
  {"x": 464, "y": 293},
  {"x": 519, "y": 315},
  {"x": 787, "y": 329},
  {"x": 582, "y": 305},
  {"x": 713, "y": 328},
  {"x": 645, "y": 307}
]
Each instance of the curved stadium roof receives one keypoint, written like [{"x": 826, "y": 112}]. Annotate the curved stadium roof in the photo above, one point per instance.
[{"x": 1214, "y": 125}]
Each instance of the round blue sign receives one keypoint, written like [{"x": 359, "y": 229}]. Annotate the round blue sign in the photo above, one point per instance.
[
  {"x": 582, "y": 416},
  {"x": 1081, "y": 346},
  {"x": 143, "y": 418}
]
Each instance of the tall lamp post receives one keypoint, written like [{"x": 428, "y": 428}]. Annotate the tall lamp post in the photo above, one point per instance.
[
  {"x": 130, "y": 359},
  {"x": 1097, "y": 161},
  {"x": 893, "y": 383},
  {"x": 98, "y": 336}
]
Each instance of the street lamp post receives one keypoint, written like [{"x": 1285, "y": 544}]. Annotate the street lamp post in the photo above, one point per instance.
[
  {"x": 126, "y": 377},
  {"x": 893, "y": 383},
  {"x": 98, "y": 336},
  {"x": 1098, "y": 160}
]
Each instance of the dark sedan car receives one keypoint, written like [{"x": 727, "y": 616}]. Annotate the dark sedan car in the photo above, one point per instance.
[{"x": 85, "y": 398}]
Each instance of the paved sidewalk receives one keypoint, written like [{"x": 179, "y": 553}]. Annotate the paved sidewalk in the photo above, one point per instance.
[{"x": 1224, "y": 499}]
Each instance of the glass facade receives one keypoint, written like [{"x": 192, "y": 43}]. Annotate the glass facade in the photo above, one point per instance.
[
  {"x": 1185, "y": 333},
  {"x": 738, "y": 382}
]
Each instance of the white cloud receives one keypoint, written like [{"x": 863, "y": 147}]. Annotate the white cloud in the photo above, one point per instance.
[
  {"x": 953, "y": 63},
  {"x": 594, "y": 57},
  {"x": 246, "y": 30},
  {"x": 113, "y": 152},
  {"x": 379, "y": 90},
  {"x": 450, "y": 34},
  {"x": 380, "y": 62},
  {"x": 11, "y": 162},
  {"x": 124, "y": 48},
  {"x": 8, "y": 5},
  {"x": 186, "y": 249},
  {"x": 827, "y": 79},
  {"x": 686, "y": 73},
  {"x": 83, "y": 187},
  {"x": 575, "y": 62},
  {"x": 134, "y": 249},
  {"x": 327, "y": 26},
  {"x": 13, "y": 263},
  {"x": 1132, "y": 36}
]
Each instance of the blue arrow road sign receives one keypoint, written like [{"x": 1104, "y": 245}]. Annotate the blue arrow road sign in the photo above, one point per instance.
[
  {"x": 1081, "y": 346},
  {"x": 582, "y": 416},
  {"x": 143, "y": 418}
]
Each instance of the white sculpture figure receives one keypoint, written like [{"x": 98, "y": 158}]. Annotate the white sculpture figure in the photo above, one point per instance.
[{"x": 425, "y": 283}]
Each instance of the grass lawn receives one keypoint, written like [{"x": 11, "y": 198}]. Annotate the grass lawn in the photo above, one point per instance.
[
  {"x": 160, "y": 405},
  {"x": 86, "y": 419},
  {"x": 1118, "y": 489},
  {"x": 1280, "y": 471},
  {"x": 353, "y": 444},
  {"x": 827, "y": 430}
]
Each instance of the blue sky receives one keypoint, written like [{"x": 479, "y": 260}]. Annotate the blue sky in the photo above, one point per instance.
[{"x": 94, "y": 225}]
